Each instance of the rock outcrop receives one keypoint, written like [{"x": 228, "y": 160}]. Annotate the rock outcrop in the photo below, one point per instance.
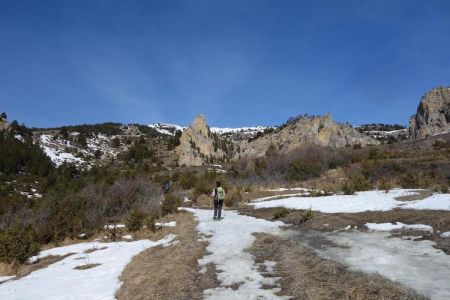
[
  {"x": 318, "y": 130},
  {"x": 433, "y": 114},
  {"x": 4, "y": 125},
  {"x": 197, "y": 145}
]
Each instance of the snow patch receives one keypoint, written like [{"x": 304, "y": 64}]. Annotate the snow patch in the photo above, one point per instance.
[
  {"x": 61, "y": 281},
  {"x": 112, "y": 226},
  {"x": 228, "y": 240},
  {"x": 169, "y": 224},
  {"x": 6, "y": 278},
  {"x": 445, "y": 234},
  {"x": 397, "y": 225},
  {"x": 416, "y": 264},
  {"x": 360, "y": 202}
]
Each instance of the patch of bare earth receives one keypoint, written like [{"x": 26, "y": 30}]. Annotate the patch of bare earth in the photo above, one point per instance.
[
  {"x": 94, "y": 249},
  {"x": 305, "y": 275},
  {"x": 170, "y": 272},
  {"x": 438, "y": 219},
  {"x": 86, "y": 266}
]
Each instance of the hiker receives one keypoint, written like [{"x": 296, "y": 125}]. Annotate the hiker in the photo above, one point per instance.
[
  {"x": 218, "y": 195},
  {"x": 166, "y": 187}
]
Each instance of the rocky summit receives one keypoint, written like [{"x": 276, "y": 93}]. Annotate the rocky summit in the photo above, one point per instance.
[
  {"x": 197, "y": 145},
  {"x": 433, "y": 114},
  {"x": 317, "y": 130}
]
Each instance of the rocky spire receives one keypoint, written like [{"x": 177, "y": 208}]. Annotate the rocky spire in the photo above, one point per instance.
[{"x": 433, "y": 114}]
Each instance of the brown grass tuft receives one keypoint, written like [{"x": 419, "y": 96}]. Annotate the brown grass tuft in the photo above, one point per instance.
[{"x": 85, "y": 267}]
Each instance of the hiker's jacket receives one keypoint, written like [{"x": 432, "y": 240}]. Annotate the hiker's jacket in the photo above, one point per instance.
[{"x": 220, "y": 193}]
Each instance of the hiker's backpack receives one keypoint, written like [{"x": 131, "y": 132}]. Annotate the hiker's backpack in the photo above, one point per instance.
[{"x": 220, "y": 193}]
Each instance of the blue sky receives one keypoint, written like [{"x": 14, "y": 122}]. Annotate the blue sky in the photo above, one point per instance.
[{"x": 240, "y": 63}]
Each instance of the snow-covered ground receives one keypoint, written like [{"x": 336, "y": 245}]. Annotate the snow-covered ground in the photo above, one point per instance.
[
  {"x": 170, "y": 129},
  {"x": 56, "y": 153},
  {"x": 247, "y": 130},
  {"x": 6, "y": 278},
  {"x": 60, "y": 150},
  {"x": 361, "y": 201},
  {"x": 168, "y": 224},
  {"x": 397, "y": 225},
  {"x": 61, "y": 281},
  {"x": 167, "y": 129},
  {"x": 289, "y": 189},
  {"x": 228, "y": 240},
  {"x": 416, "y": 264}
]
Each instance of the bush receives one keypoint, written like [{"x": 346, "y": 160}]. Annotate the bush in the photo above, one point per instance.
[
  {"x": 281, "y": 213},
  {"x": 385, "y": 185},
  {"x": 409, "y": 181},
  {"x": 135, "y": 219},
  {"x": 362, "y": 184},
  {"x": 187, "y": 180},
  {"x": 444, "y": 188},
  {"x": 98, "y": 154},
  {"x": 233, "y": 198},
  {"x": 348, "y": 188},
  {"x": 300, "y": 169},
  {"x": 17, "y": 244},
  {"x": 306, "y": 216},
  {"x": 170, "y": 204},
  {"x": 203, "y": 186},
  {"x": 149, "y": 222}
]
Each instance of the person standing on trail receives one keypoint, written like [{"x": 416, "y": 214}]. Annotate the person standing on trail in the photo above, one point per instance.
[{"x": 218, "y": 195}]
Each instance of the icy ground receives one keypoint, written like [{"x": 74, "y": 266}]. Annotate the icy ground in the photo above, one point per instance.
[
  {"x": 414, "y": 263},
  {"x": 361, "y": 201},
  {"x": 61, "y": 281},
  {"x": 397, "y": 225},
  {"x": 228, "y": 240}
]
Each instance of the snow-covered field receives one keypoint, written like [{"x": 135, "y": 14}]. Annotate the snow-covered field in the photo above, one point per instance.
[
  {"x": 360, "y": 202},
  {"x": 416, "y": 264},
  {"x": 61, "y": 281},
  {"x": 228, "y": 240}
]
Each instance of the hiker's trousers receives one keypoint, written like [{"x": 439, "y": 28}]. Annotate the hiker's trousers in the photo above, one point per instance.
[{"x": 218, "y": 208}]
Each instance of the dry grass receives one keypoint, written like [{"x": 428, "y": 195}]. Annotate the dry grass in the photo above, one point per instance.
[
  {"x": 170, "y": 272},
  {"x": 86, "y": 266},
  {"x": 94, "y": 249},
  {"x": 308, "y": 276},
  {"x": 421, "y": 194},
  {"x": 22, "y": 270}
]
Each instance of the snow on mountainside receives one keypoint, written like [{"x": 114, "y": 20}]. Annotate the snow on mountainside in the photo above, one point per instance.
[
  {"x": 61, "y": 150},
  {"x": 168, "y": 129},
  {"x": 384, "y": 132},
  {"x": 234, "y": 134}
]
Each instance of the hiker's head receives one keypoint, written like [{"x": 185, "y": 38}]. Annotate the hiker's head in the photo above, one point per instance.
[{"x": 218, "y": 184}]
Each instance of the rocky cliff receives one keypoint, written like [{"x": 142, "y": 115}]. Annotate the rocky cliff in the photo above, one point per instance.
[
  {"x": 318, "y": 130},
  {"x": 433, "y": 114},
  {"x": 197, "y": 145},
  {"x": 3, "y": 123}
]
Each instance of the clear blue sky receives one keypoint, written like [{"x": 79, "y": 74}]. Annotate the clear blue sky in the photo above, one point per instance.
[{"x": 238, "y": 62}]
